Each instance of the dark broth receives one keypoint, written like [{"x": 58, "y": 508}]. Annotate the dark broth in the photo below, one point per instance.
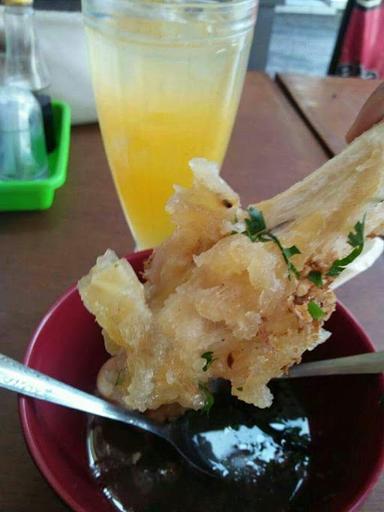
[{"x": 267, "y": 450}]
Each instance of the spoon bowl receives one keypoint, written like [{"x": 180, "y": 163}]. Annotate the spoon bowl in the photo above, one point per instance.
[
  {"x": 197, "y": 448},
  {"x": 21, "y": 379},
  {"x": 345, "y": 418}
]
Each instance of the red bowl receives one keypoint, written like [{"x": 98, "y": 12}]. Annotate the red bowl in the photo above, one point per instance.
[{"x": 346, "y": 418}]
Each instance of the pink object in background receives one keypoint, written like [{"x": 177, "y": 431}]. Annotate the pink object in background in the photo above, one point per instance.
[{"x": 360, "y": 47}]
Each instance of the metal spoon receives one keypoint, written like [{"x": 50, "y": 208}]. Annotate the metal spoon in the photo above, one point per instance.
[
  {"x": 372, "y": 362},
  {"x": 22, "y": 379}
]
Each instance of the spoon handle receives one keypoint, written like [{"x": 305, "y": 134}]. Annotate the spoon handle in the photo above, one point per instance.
[
  {"x": 373, "y": 362},
  {"x": 22, "y": 379}
]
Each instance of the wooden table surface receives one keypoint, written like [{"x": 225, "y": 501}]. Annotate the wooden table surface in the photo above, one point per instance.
[
  {"x": 43, "y": 253},
  {"x": 328, "y": 105}
]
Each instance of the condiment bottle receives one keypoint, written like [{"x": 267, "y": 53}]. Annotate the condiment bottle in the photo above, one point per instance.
[
  {"x": 23, "y": 154},
  {"x": 24, "y": 64}
]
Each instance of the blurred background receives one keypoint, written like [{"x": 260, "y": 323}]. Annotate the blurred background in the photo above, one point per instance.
[
  {"x": 296, "y": 35},
  {"x": 303, "y": 35},
  {"x": 292, "y": 35},
  {"x": 311, "y": 37}
]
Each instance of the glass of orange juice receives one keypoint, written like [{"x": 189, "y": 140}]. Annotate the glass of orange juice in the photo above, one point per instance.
[{"x": 168, "y": 76}]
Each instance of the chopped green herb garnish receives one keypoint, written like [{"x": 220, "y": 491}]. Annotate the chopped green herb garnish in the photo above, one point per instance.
[
  {"x": 287, "y": 253},
  {"x": 291, "y": 251},
  {"x": 255, "y": 224},
  {"x": 355, "y": 240},
  {"x": 316, "y": 278},
  {"x": 240, "y": 388},
  {"x": 315, "y": 310},
  {"x": 208, "y": 356},
  {"x": 256, "y": 230},
  {"x": 119, "y": 378},
  {"x": 208, "y": 397}
]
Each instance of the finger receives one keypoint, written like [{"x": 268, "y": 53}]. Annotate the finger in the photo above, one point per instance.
[{"x": 371, "y": 113}]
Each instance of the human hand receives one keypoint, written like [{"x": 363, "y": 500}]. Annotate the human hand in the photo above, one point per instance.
[{"x": 371, "y": 113}]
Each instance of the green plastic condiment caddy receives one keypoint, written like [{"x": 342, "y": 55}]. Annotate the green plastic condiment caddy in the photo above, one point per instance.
[{"x": 39, "y": 194}]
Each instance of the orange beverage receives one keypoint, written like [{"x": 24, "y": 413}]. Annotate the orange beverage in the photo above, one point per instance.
[{"x": 167, "y": 90}]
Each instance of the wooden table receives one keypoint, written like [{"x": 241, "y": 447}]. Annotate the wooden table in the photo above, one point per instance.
[
  {"x": 327, "y": 105},
  {"x": 275, "y": 143}
]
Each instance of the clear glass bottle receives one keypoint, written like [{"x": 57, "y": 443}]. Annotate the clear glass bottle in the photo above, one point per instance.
[
  {"x": 24, "y": 63},
  {"x": 23, "y": 154}
]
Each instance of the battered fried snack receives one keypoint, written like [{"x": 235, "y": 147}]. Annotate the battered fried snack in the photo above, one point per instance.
[{"x": 233, "y": 293}]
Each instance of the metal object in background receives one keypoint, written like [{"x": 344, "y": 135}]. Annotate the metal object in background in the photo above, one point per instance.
[{"x": 263, "y": 32}]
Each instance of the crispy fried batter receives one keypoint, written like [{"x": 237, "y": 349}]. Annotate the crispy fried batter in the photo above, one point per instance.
[{"x": 209, "y": 290}]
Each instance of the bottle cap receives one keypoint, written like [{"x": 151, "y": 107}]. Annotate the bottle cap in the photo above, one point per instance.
[{"x": 18, "y": 2}]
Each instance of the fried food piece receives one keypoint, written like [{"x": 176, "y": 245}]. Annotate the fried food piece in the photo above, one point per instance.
[{"x": 219, "y": 302}]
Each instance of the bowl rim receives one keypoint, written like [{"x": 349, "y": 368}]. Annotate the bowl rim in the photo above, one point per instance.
[{"x": 24, "y": 405}]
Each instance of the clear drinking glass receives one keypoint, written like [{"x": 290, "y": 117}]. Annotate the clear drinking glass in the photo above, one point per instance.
[{"x": 168, "y": 76}]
